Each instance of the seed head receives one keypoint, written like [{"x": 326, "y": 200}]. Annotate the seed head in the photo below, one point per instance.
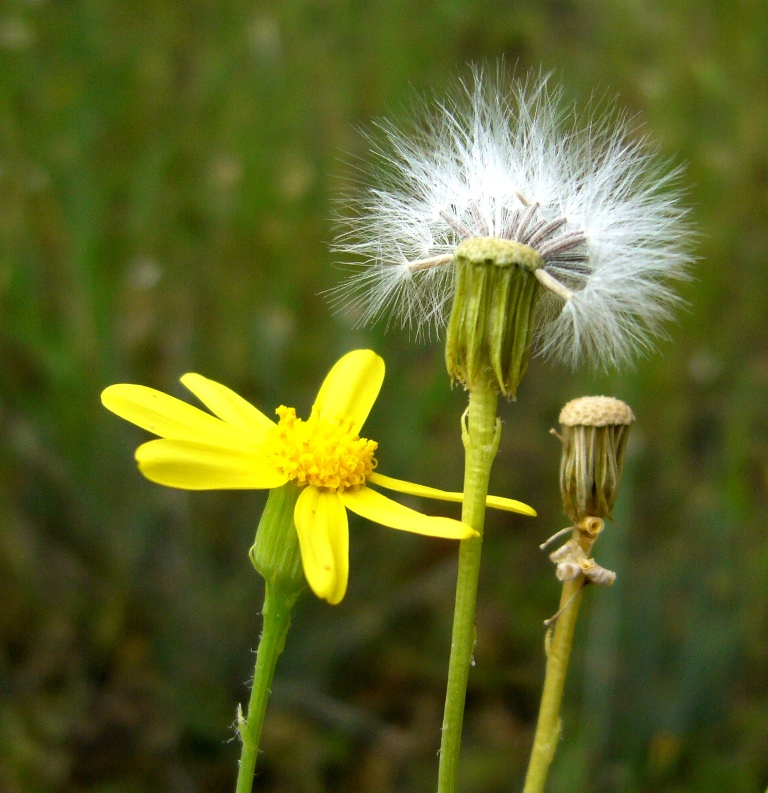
[
  {"x": 504, "y": 159},
  {"x": 594, "y": 432}
]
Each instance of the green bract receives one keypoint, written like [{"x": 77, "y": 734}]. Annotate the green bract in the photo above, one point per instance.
[{"x": 491, "y": 324}]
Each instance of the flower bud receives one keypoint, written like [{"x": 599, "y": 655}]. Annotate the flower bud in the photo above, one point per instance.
[
  {"x": 275, "y": 553},
  {"x": 490, "y": 329},
  {"x": 594, "y": 433}
]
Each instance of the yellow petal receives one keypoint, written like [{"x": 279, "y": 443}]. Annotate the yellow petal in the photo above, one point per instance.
[
  {"x": 197, "y": 466},
  {"x": 228, "y": 405},
  {"x": 171, "y": 418},
  {"x": 321, "y": 523},
  {"x": 351, "y": 387},
  {"x": 498, "y": 502},
  {"x": 380, "y": 509}
]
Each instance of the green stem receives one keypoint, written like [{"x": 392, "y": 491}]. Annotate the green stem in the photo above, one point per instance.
[
  {"x": 278, "y": 608},
  {"x": 481, "y": 440},
  {"x": 558, "y": 653}
]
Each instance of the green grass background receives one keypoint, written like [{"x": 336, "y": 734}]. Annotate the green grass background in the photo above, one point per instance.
[{"x": 167, "y": 175}]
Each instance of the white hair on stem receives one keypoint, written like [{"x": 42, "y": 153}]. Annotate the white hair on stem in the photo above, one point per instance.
[{"x": 505, "y": 159}]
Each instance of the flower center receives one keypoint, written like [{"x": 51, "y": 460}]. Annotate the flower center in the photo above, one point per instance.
[{"x": 322, "y": 452}]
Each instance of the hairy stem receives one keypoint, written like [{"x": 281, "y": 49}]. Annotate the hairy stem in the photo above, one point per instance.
[
  {"x": 558, "y": 653},
  {"x": 278, "y": 608},
  {"x": 481, "y": 440}
]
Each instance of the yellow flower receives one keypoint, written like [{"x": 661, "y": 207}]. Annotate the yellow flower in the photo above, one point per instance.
[{"x": 239, "y": 447}]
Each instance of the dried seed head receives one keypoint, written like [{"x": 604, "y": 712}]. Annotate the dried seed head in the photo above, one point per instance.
[
  {"x": 598, "y": 411},
  {"x": 594, "y": 433}
]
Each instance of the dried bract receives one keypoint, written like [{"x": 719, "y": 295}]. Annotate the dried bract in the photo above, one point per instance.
[{"x": 594, "y": 433}]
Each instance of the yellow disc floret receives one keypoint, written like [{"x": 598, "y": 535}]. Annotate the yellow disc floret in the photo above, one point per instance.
[{"x": 322, "y": 452}]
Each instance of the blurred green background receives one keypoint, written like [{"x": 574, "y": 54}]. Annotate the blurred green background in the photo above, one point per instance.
[{"x": 167, "y": 176}]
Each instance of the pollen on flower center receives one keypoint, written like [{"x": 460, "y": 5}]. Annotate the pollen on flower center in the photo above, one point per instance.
[{"x": 322, "y": 452}]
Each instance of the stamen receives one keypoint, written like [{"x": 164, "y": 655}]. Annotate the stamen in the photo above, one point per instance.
[
  {"x": 321, "y": 452},
  {"x": 433, "y": 261},
  {"x": 551, "y": 284}
]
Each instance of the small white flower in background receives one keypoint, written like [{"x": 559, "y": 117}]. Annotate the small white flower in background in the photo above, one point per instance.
[{"x": 505, "y": 159}]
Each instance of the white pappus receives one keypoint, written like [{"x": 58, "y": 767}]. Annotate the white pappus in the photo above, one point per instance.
[{"x": 506, "y": 159}]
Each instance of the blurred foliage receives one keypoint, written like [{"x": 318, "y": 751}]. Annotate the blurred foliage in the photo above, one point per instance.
[{"x": 167, "y": 174}]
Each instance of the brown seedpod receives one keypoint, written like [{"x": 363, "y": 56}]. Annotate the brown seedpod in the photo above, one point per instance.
[{"x": 594, "y": 433}]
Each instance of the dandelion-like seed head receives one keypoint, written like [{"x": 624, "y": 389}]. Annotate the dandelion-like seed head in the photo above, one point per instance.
[{"x": 505, "y": 160}]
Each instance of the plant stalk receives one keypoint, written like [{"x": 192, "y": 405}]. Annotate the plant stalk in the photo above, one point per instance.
[
  {"x": 558, "y": 653},
  {"x": 481, "y": 440},
  {"x": 278, "y": 608}
]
